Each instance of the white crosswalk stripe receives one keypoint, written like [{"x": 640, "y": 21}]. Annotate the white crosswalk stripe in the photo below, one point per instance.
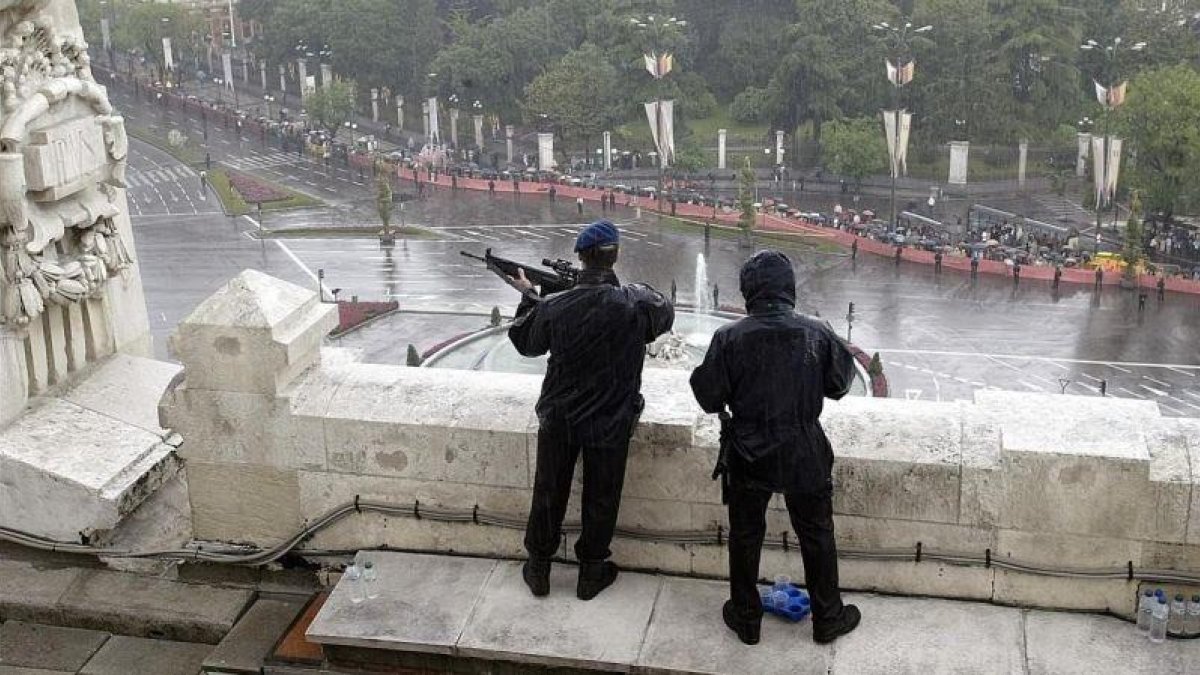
[
  {"x": 271, "y": 159},
  {"x": 135, "y": 178}
]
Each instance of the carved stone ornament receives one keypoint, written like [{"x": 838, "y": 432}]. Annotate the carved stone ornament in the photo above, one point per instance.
[{"x": 63, "y": 156}]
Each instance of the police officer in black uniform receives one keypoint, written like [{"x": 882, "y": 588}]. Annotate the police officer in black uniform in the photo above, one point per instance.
[
  {"x": 768, "y": 375},
  {"x": 596, "y": 334}
]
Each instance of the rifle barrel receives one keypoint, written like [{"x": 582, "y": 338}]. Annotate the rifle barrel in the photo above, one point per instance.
[{"x": 473, "y": 256}]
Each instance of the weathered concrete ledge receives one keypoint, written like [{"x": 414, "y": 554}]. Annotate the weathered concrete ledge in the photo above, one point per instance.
[
  {"x": 1059, "y": 481},
  {"x": 78, "y": 462}
]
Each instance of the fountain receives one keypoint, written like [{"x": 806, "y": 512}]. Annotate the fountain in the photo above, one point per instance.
[{"x": 703, "y": 301}]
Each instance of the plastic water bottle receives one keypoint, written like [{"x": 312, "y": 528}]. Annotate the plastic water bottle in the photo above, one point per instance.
[
  {"x": 1145, "y": 610},
  {"x": 353, "y": 577},
  {"x": 1158, "y": 622},
  {"x": 370, "y": 577},
  {"x": 1193, "y": 616},
  {"x": 782, "y": 582},
  {"x": 1178, "y": 615}
]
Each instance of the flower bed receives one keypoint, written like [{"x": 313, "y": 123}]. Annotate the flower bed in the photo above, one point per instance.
[{"x": 254, "y": 191}]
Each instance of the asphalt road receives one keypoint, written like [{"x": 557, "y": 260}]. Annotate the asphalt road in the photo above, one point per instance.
[{"x": 940, "y": 337}]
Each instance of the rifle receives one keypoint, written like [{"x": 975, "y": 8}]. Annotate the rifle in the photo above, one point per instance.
[
  {"x": 563, "y": 275},
  {"x": 721, "y": 470}
]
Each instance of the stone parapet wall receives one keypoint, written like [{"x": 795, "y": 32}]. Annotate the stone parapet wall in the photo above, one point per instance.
[{"x": 1058, "y": 481}]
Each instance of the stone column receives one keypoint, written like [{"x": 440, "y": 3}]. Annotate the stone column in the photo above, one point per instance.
[
  {"x": 454, "y": 127},
  {"x": 399, "y": 112},
  {"x": 425, "y": 120},
  {"x": 375, "y": 104},
  {"x": 478, "y": 121},
  {"x": 779, "y": 148},
  {"x": 508, "y": 141},
  {"x": 721, "y": 148},
  {"x": 608, "y": 151},
  {"x": 326, "y": 75},
  {"x": 262, "y": 73},
  {"x": 1022, "y": 156},
  {"x": 14, "y": 384},
  {"x": 282, "y": 79}
]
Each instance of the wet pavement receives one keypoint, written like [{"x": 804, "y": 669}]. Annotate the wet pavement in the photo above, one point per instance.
[{"x": 940, "y": 337}]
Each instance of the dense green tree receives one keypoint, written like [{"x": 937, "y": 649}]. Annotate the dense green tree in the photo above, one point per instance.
[
  {"x": 143, "y": 27},
  {"x": 1161, "y": 120},
  {"x": 577, "y": 97},
  {"x": 330, "y": 107},
  {"x": 855, "y": 148}
]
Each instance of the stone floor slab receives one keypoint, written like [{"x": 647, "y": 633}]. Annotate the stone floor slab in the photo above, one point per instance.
[
  {"x": 32, "y": 645},
  {"x": 249, "y": 643},
  {"x": 688, "y": 614},
  {"x": 424, "y": 603},
  {"x": 1062, "y": 644},
  {"x": 126, "y": 388},
  {"x": 123, "y": 655},
  {"x": 131, "y": 604},
  {"x": 560, "y": 630},
  {"x": 30, "y": 592},
  {"x": 921, "y": 636},
  {"x": 17, "y": 670}
]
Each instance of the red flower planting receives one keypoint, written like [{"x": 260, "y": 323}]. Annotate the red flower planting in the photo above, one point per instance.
[{"x": 254, "y": 191}]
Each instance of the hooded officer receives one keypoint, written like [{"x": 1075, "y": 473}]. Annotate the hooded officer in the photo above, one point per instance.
[
  {"x": 768, "y": 374},
  {"x": 596, "y": 334}
]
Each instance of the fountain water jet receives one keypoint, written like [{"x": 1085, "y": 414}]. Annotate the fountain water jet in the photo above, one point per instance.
[{"x": 703, "y": 300}]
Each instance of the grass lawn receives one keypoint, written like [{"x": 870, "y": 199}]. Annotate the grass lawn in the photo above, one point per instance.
[
  {"x": 704, "y": 131},
  {"x": 236, "y": 206}
]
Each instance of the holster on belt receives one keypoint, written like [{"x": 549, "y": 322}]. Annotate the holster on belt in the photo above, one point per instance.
[{"x": 721, "y": 470}]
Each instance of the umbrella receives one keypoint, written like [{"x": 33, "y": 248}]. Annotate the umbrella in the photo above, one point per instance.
[
  {"x": 992, "y": 242},
  {"x": 869, "y": 213}
]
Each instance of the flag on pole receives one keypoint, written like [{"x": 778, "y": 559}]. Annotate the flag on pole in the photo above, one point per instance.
[
  {"x": 168, "y": 57},
  {"x": 659, "y": 65},
  {"x": 1110, "y": 97},
  {"x": 666, "y": 144},
  {"x": 900, "y": 75},
  {"x": 435, "y": 134},
  {"x": 1114, "y": 168},
  {"x": 1098, "y": 169},
  {"x": 897, "y": 147}
]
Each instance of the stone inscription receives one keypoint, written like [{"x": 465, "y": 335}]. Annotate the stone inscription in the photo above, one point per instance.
[{"x": 62, "y": 159}]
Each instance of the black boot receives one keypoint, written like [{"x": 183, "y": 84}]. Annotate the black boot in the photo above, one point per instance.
[
  {"x": 536, "y": 573},
  {"x": 847, "y": 621},
  {"x": 595, "y": 577},
  {"x": 747, "y": 631}
]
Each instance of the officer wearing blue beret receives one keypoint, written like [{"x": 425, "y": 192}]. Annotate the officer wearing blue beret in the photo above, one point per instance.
[{"x": 596, "y": 334}]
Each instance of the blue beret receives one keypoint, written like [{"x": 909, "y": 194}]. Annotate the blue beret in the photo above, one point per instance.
[{"x": 599, "y": 233}]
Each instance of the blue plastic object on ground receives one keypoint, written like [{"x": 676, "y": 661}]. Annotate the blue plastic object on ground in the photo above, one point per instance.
[{"x": 786, "y": 602}]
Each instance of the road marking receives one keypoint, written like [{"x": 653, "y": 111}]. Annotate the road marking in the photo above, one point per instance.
[
  {"x": 1156, "y": 392},
  {"x": 527, "y": 233},
  {"x": 1181, "y": 372},
  {"x": 1159, "y": 382},
  {"x": 932, "y": 352},
  {"x": 1131, "y": 393},
  {"x": 484, "y": 236},
  {"x": 1193, "y": 395},
  {"x": 651, "y": 243},
  {"x": 1115, "y": 367},
  {"x": 1091, "y": 377}
]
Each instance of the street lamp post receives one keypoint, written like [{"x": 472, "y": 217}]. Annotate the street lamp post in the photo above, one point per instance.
[
  {"x": 899, "y": 36},
  {"x": 1108, "y": 102},
  {"x": 658, "y": 28}
]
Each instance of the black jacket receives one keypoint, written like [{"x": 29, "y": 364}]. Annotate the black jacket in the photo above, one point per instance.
[
  {"x": 773, "y": 370},
  {"x": 596, "y": 334}
]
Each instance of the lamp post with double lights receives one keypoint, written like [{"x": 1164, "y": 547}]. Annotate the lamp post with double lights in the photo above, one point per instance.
[
  {"x": 900, "y": 75},
  {"x": 1110, "y": 98},
  {"x": 658, "y": 29}
]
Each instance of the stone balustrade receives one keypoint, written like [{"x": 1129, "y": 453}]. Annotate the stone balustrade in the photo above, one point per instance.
[{"x": 277, "y": 431}]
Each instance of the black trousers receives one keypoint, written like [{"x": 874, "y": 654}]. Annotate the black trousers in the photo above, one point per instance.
[
  {"x": 603, "y": 478},
  {"x": 812, "y": 519}
]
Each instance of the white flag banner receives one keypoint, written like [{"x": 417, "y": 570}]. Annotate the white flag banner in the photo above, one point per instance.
[
  {"x": 905, "y": 128},
  {"x": 104, "y": 33},
  {"x": 1022, "y": 162},
  {"x": 959, "y": 154},
  {"x": 434, "y": 135},
  {"x": 1098, "y": 168},
  {"x": 889, "y": 131},
  {"x": 1085, "y": 142},
  {"x": 1114, "y": 168},
  {"x": 168, "y": 57},
  {"x": 668, "y": 118},
  {"x": 652, "y": 116},
  {"x": 227, "y": 66},
  {"x": 545, "y": 151}
]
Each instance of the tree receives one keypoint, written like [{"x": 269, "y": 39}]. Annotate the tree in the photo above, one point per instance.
[
  {"x": 332, "y": 105},
  {"x": 143, "y": 27},
  {"x": 875, "y": 367},
  {"x": 746, "y": 200},
  {"x": 1161, "y": 120},
  {"x": 855, "y": 148},
  {"x": 577, "y": 96},
  {"x": 412, "y": 358},
  {"x": 1134, "y": 244},
  {"x": 383, "y": 202}
]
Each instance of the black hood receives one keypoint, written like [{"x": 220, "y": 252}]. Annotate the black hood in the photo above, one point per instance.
[{"x": 768, "y": 282}]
